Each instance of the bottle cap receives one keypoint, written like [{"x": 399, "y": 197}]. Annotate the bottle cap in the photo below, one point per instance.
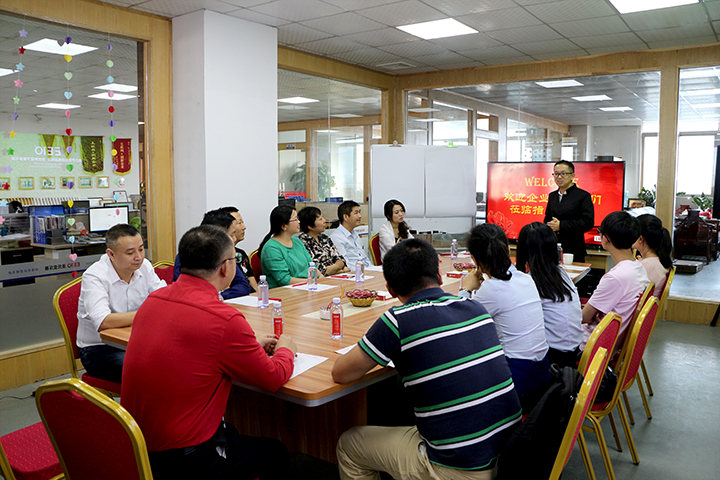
[
  {"x": 263, "y": 278},
  {"x": 312, "y": 264},
  {"x": 277, "y": 304},
  {"x": 336, "y": 300}
]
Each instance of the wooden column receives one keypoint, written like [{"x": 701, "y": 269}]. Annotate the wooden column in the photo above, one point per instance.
[{"x": 667, "y": 138}]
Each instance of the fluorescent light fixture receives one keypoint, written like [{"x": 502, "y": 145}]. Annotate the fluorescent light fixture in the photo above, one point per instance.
[
  {"x": 116, "y": 97},
  {"x": 698, "y": 73},
  {"x": 346, "y": 115},
  {"x": 117, "y": 87},
  {"x": 292, "y": 107},
  {"x": 697, "y": 93},
  {"x": 354, "y": 140},
  {"x": 428, "y": 120},
  {"x": 707, "y": 105},
  {"x": 592, "y": 98},
  {"x": 141, "y": 123},
  {"x": 48, "y": 45},
  {"x": 632, "y": 6},
  {"x": 560, "y": 84},
  {"x": 415, "y": 130},
  {"x": 327, "y": 131},
  {"x": 424, "y": 110},
  {"x": 6, "y": 71},
  {"x": 615, "y": 109},
  {"x": 59, "y": 106},
  {"x": 365, "y": 100},
  {"x": 296, "y": 100},
  {"x": 438, "y": 29}
]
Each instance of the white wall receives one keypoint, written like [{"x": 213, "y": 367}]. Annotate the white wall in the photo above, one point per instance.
[
  {"x": 225, "y": 120},
  {"x": 54, "y": 122},
  {"x": 625, "y": 142}
]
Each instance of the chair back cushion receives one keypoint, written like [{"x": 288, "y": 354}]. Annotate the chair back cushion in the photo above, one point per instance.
[
  {"x": 255, "y": 264},
  {"x": 30, "y": 454},
  {"x": 604, "y": 336},
  {"x": 640, "y": 336},
  {"x": 165, "y": 272},
  {"x": 68, "y": 305},
  {"x": 375, "y": 249},
  {"x": 90, "y": 441}
]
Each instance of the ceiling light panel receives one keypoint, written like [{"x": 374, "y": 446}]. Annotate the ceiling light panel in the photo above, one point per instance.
[
  {"x": 448, "y": 27},
  {"x": 116, "y": 97},
  {"x": 297, "y": 100},
  {"x": 58, "y": 106},
  {"x": 560, "y": 84},
  {"x": 615, "y": 109},
  {"x": 48, "y": 45},
  {"x": 6, "y": 71},
  {"x": 696, "y": 93},
  {"x": 632, "y": 6},
  {"x": 592, "y": 98},
  {"x": 117, "y": 87}
]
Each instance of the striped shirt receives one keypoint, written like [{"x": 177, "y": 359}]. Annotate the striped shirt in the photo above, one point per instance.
[{"x": 448, "y": 355}]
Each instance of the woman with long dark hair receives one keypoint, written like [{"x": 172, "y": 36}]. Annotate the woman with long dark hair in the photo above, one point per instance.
[
  {"x": 537, "y": 255},
  {"x": 395, "y": 229},
  {"x": 655, "y": 247},
  {"x": 283, "y": 257},
  {"x": 512, "y": 300}
]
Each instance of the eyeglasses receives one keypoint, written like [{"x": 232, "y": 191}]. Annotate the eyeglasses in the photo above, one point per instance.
[
  {"x": 296, "y": 219},
  {"x": 562, "y": 174},
  {"x": 223, "y": 262}
]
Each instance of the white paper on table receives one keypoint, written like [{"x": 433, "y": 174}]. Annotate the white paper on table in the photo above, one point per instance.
[
  {"x": 305, "y": 361},
  {"x": 345, "y": 350},
  {"x": 348, "y": 276},
  {"x": 574, "y": 268},
  {"x": 247, "y": 300},
  {"x": 374, "y": 268},
  {"x": 320, "y": 287}
]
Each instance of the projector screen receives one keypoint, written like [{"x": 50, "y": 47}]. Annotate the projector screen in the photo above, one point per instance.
[
  {"x": 103, "y": 218},
  {"x": 518, "y": 192}
]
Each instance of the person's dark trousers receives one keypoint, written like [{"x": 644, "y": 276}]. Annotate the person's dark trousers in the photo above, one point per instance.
[
  {"x": 103, "y": 361},
  {"x": 246, "y": 458},
  {"x": 531, "y": 379},
  {"x": 563, "y": 359}
]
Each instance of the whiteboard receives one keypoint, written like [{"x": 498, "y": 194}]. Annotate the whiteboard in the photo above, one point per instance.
[
  {"x": 450, "y": 182},
  {"x": 399, "y": 173}
]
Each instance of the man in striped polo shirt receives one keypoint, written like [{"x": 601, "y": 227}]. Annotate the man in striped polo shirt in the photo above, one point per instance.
[{"x": 450, "y": 360}]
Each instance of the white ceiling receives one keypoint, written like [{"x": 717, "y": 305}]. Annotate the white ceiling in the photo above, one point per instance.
[{"x": 362, "y": 32}]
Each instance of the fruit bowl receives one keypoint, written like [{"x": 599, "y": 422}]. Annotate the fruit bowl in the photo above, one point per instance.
[
  {"x": 361, "y": 298},
  {"x": 464, "y": 266}
]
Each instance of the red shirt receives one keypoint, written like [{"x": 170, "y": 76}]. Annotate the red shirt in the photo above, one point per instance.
[{"x": 185, "y": 350}]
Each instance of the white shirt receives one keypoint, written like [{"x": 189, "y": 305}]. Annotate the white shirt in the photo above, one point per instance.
[
  {"x": 517, "y": 312},
  {"x": 563, "y": 320},
  {"x": 103, "y": 292},
  {"x": 387, "y": 238},
  {"x": 349, "y": 246}
]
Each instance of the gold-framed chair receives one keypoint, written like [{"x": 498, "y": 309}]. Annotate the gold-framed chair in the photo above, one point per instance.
[
  {"x": 65, "y": 303},
  {"x": 165, "y": 270},
  {"x": 255, "y": 264},
  {"x": 28, "y": 454},
  {"x": 94, "y": 436},
  {"x": 375, "y": 249},
  {"x": 628, "y": 365},
  {"x": 584, "y": 400}
]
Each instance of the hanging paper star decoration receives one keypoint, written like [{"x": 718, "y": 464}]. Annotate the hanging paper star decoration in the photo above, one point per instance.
[
  {"x": 21, "y": 50},
  {"x": 18, "y": 83},
  {"x": 16, "y": 100},
  {"x": 10, "y": 151},
  {"x": 20, "y": 67},
  {"x": 23, "y": 33},
  {"x": 8, "y": 169}
]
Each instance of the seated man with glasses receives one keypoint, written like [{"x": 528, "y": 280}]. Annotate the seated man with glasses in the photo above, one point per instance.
[
  {"x": 239, "y": 287},
  {"x": 569, "y": 212},
  {"x": 186, "y": 349}
]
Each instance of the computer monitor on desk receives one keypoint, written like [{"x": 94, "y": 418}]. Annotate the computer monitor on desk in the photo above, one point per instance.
[{"x": 101, "y": 219}]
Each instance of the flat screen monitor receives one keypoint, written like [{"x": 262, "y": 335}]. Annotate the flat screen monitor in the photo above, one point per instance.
[
  {"x": 101, "y": 219},
  {"x": 518, "y": 192}
]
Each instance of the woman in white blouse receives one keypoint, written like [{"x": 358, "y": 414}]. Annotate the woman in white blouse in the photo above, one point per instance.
[{"x": 395, "y": 229}]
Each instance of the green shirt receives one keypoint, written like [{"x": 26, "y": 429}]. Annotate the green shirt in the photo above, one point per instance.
[{"x": 280, "y": 263}]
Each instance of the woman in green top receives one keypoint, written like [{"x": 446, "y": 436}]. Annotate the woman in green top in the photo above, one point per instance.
[{"x": 283, "y": 258}]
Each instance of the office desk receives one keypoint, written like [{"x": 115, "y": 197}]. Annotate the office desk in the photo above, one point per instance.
[{"x": 311, "y": 411}]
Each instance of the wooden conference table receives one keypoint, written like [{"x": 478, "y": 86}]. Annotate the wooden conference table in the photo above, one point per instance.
[{"x": 311, "y": 411}]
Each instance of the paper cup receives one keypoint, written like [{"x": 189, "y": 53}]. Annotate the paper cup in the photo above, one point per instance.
[{"x": 567, "y": 258}]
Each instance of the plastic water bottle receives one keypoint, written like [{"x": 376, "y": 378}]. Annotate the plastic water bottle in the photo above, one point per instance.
[
  {"x": 278, "y": 318},
  {"x": 359, "y": 274},
  {"x": 454, "y": 250},
  {"x": 336, "y": 319},
  {"x": 312, "y": 277},
  {"x": 264, "y": 290},
  {"x": 560, "y": 253}
]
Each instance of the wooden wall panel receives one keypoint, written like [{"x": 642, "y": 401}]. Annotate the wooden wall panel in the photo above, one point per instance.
[
  {"x": 32, "y": 365},
  {"x": 689, "y": 310}
]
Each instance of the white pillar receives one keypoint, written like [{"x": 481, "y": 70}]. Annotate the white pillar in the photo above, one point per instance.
[{"x": 225, "y": 120}]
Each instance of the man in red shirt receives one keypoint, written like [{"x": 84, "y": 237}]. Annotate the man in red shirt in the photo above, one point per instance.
[{"x": 186, "y": 348}]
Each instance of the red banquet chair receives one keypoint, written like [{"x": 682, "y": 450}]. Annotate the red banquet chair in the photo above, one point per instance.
[
  {"x": 28, "y": 454},
  {"x": 165, "y": 270}
]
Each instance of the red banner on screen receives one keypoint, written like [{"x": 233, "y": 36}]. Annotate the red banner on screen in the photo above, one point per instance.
[{"x": 518, "y": 192}]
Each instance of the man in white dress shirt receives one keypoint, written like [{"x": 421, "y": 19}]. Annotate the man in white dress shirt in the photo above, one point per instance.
[
  {"x": 344, "y": 237},
  {"x": 113, "y": 288}
]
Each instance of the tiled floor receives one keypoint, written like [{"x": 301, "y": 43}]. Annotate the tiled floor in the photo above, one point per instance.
[{"x": 680, "y": 442}]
